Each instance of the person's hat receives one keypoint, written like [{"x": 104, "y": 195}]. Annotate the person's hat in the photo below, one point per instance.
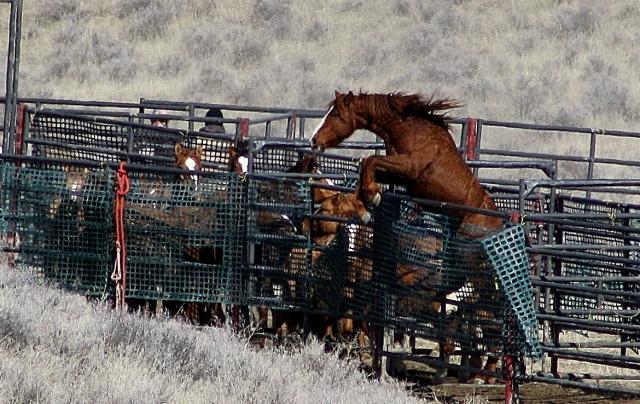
[
  {"x": 214, "y": 113},
  {"x": 160, "y": 112}
]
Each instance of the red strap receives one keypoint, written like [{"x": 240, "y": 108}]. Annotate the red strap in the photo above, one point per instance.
[
  {"x": 120, "y": 268},
  {"x": 472, "y": 138}
]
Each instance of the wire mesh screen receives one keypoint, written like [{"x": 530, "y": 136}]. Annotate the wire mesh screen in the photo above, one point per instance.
[
  {"x": 63, "y": 219},
  {"x": 433, "y": 281},
  {"x": 215, "y": 149},
  {"x": 275, "y": 159},
  {"x": 149, "y": 142},
  {"x": 280, "y": 160},
  {"x": 77, "y": 138},
  {"x": 329, "y": 164},
  {"x": 602, "y": 269},
  {"x": 185, "y": 243},
  {"x": 280, "y": 264},
  {"x": 80, "y": 138}
]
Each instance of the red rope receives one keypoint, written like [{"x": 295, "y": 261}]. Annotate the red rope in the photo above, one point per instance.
[
  {"x": 509, "y": 379},
  {"x": 119, "y": 274}
]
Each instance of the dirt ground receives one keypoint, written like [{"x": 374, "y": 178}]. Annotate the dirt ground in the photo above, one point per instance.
[
  {"x": 448, "y": 390},
  {"x": 534, "y": 393}
]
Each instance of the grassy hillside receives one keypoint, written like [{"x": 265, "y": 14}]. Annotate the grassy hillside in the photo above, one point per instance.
[
  {"x": 56, "y": 348},
  {"x": 564, "y": 62}
]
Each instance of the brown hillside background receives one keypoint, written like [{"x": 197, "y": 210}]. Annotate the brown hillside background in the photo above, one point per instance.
[{"x": 560, "y": 62}]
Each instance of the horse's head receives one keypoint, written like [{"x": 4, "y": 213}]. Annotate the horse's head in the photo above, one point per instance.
[
  {"x": 188, "y": 159},
  {"x": 238, "y": 161},
  {"x": 338, "y": 124},
  {"x": 306, "y": 165}
]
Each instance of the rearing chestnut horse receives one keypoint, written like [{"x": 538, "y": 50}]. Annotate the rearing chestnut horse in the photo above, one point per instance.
[{"x": 421, "y": 153}]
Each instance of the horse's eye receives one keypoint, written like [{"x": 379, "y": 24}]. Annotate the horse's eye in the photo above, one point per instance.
[{"x": 334, "y": 112}]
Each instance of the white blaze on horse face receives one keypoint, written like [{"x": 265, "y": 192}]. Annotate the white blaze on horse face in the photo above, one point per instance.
[
  {"x": 191, "y": 166},
  {"x": 244, "y": 163},
  {"x": 324, "y": 118}
]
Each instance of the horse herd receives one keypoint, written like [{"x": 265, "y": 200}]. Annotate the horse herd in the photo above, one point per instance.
[{"x": 421, "y": 156}]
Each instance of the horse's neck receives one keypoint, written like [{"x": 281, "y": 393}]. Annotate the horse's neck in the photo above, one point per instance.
[{"x": 386, "y": 136}]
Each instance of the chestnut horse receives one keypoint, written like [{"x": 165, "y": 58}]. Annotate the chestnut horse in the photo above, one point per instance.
[
  {"x": 188, "y": 159},
  {"x": 420, "y": 155},
  {"x": 199, "y": 313}
]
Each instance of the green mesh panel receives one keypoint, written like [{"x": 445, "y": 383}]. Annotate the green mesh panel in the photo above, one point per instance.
[
  {"x": 279, "y": 267},
  {"x": 401, "y": 269},
  {"x": 510, "y": 262},
  {"x": 600, "y": 263},
  {"x": 64, "y": 222},
  {"x": 63, "y": 137},
  {"x": 330, "y": 286},
  {"x": 5, "y": 173},
  {"x": 185, "y": 244},
  {"x": 360, "y": 287}
]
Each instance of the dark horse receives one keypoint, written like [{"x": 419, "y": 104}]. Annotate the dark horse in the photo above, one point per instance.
[{"x": 420, "y": 155}]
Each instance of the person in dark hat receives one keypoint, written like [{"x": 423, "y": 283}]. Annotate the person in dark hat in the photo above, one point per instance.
[
  {"x": 159, "y": 120},
  {"x": 213, "y": 127}
]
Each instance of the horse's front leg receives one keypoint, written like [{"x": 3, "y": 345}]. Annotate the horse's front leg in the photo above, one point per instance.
[{"x": 368, "y": 191}]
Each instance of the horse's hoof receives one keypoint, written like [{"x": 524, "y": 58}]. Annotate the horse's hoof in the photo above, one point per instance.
[
  {"x": 376, "y": 199},
  {"x": 365, "y": 218}
]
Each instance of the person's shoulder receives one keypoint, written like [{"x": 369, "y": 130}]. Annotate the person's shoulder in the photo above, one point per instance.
[{"x": 212, "y": 129}]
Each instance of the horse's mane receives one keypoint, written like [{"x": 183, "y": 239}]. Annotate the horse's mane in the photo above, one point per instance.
[{"x": 413, "y": 105}]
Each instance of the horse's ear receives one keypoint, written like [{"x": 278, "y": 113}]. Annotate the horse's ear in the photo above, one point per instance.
[
  {"x": 348, "y": 98},
  {"x": 178, "y": 149},
  {"x": 337, "y": 94},
  {"x": 199, "y": 151}
]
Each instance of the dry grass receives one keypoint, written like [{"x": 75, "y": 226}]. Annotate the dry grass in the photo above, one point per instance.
[
  {"x": 566, "y": 62},
  {"x": 55, "y": 347}
]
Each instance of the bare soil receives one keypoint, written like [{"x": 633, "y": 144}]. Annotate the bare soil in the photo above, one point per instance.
[{"x": 535, "y": 393}]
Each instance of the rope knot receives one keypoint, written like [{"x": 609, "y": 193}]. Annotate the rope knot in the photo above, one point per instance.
[
  {"x": 123, "y": 180},
  {"x": 119, "y": 275}
]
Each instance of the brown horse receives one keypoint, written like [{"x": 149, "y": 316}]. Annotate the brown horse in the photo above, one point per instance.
[
  {"x": 188, "y": 159},
  {"x": 238, "y": 161},
  {"x": 200, "y": 313},
  {"x": 420, "y": 154}
]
